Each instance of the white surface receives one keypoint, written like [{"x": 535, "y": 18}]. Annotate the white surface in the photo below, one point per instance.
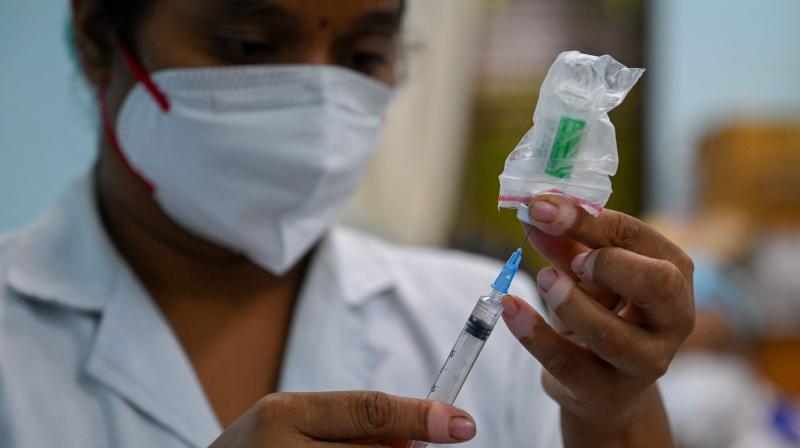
[
  {"x": 411, "y": 190},
  {"x": 715, "y": 401}
]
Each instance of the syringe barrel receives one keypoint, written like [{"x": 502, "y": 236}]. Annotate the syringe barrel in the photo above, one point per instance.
[
  {"x": 468, "y": 346},
  {"x": 456, "y": 368},
  {"x": 465, "y": 351}
]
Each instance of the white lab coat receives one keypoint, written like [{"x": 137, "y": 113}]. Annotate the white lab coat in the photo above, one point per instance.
[{"x": 87, "y": 359}]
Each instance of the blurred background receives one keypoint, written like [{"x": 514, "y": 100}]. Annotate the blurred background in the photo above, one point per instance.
[{"x": 709, "y": 145}]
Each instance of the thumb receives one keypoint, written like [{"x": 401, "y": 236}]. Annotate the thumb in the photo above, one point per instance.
[{"x": 375, "y": 415}]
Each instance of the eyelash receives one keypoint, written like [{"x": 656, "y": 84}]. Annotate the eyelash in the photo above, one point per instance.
[
  {"x": 242, "y": 50},
  {"x": 367, "y": 62},
  {"x": 250, "y": 49}
]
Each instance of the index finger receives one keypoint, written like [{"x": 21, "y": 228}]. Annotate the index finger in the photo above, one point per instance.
[
  {"x": 359, "y": 415},
  {"x": 559, "y": 215}
]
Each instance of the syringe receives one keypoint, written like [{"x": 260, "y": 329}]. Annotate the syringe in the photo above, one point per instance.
[{"x": 473, "y": 337}]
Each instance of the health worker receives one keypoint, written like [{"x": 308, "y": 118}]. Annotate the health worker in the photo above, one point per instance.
[{"x": 194, "y": 290}]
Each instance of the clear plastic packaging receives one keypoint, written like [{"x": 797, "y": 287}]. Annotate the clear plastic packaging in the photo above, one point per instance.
[{"x": 572, "y": 147}]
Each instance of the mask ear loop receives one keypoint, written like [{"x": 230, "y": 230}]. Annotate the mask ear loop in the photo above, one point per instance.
[
  {"x": 138, "y": 72},
  {"x": 141, "y": 75},
  {"x": 108, "y": 127}
]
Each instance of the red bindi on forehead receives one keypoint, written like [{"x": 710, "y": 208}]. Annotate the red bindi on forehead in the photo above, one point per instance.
[{"x": 323, "y": 23}]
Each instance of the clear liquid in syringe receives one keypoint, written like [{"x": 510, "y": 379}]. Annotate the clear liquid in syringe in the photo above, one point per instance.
[{"x": 467, "y": 348}]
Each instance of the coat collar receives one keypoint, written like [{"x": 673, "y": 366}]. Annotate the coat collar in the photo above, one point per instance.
[
  {"x": 67, "y": 259},
  {"x": 136, "y": 354},
  {"x": 359, "y": 265}
]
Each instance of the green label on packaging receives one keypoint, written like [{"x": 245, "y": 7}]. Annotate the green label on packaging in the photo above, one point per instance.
[{"x": 565, "y": 147}]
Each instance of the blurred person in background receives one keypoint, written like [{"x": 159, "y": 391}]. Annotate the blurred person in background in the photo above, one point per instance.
[
  {"x": 736, "y": 380},
  {"x": 194, "y": 287},
  {"x": 714, "y": 393}
]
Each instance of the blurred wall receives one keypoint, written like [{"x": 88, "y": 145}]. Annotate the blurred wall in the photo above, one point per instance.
[
  {"x": 46, "y": 115},
  {"x": 710, "y": 62},
  {"x": 411, "y": 191}
]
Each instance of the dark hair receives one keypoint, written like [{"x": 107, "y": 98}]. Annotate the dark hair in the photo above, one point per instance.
[{"x": 124, "y": 15}]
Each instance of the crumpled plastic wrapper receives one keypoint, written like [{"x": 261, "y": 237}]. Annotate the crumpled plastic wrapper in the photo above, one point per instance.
[{"x": 572, "y": 147}]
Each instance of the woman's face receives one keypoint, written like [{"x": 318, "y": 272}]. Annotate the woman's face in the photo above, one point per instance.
[{"x": 357, "y": 34}]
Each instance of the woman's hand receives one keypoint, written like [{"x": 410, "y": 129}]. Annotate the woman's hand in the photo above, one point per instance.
[
  {"x": 623, "y": 303},
  {"x": 343, "y": 419}
]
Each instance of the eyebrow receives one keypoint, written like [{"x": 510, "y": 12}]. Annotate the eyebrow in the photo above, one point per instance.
[
  {"x": 255, "y": 9},
  {"x": 383, "y": 19}
]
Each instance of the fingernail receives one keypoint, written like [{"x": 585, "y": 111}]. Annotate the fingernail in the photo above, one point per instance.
[
  {"x": 588, "y": 265},
  {"x": 554, "y": 216},
  {"x": 510, "y": 307},
  {"x": 543, "y": 211},
  {"x": 546, "y": 278},
  {"x": 522, "y": 323},
  {"x": 461, "y": 428},
  {"x": 578, "y": 263},
  {"x": 567, "y": 213},
  {"x": 555, "y": 288}
]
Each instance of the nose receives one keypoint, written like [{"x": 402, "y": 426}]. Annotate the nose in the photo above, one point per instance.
[{"x": 317, "y": 51}]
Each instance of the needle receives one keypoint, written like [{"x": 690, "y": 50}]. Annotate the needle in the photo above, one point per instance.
[{"x": 526, "y": 237}]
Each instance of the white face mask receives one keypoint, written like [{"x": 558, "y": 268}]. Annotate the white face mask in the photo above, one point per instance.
[{"x": 258, "y": 159}]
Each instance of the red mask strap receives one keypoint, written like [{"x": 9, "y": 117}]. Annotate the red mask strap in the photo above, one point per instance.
[
  {"x": 142, "y": 76},
  {"x": 112, "y": 137},
  {"x": 140, "y": 73}
]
